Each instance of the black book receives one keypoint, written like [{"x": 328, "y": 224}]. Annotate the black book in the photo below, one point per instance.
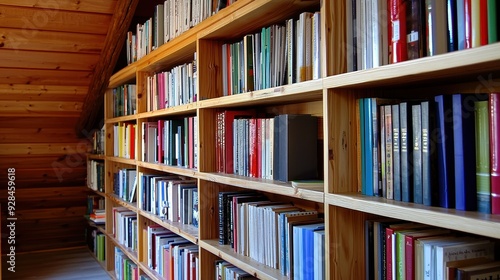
[
  {"x": 295, "y": 146},
  {"x": 406, "y": 136},
  {"x": 417, "y": 153}
]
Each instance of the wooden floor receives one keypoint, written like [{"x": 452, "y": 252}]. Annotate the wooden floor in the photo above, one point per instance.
[{"x": 70, "y": 264}]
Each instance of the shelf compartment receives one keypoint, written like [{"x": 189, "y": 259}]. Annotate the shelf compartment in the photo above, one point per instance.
[
  {"x": 188, "y": 232},
  {"x": 248, "y": 264},
  {"x": 449, "y": 65},
  {"x": 264, "y": 185},
  {"x": 471, "y": 222}
]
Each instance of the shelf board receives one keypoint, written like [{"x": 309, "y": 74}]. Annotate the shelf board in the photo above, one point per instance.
[
  {"x": 299, "y": 92},
  {"x": 132, "y": 255},
  {"x": 149, "y": 271},
  {"x": 96, "y": 156},
  {"x": 121, "y": 202},
  {"x": 170, "y": 169},
  {"x": 122, "y": 160},
  {"x": 466, "y": 221},
  {"x": 97, "y": 192},
  {"x": 449, "y": 65},
  {"x": 127, "y": 118},
  {"x": 265, "y": 185},
  {"x": 248, "y": 264},
  {"x": 188, "y": 232},
  {"x": 177, "y": 110}
]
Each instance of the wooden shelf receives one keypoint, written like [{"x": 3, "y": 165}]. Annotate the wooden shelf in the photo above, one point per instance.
[
  {"x": 264, "y": 185},
  {"x": 132, "y": 255},
  {"x": 128, "y": 118},
  {"x": 251, "y": 266},
  {"x": 182, "y": 171},
  {"x": 188, "y": 232},
  {"x": 131, "y": 206},
  {"x": 471, "y": 222},
  {"x": 177, "y": 110},
  {"x": 484, "y": 59},
  {"x": 122, "y": 160},
  {"x": 96, "y": 156},
  {"x": 150, "y": 272}
]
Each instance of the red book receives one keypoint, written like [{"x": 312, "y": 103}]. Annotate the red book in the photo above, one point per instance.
[
  {"x": 227, "y": 119},
  {"x": 397, "y": 30},
  {"x": 495, "y": 151},
  {"x": 259, "y": 147},
  {"x": 468, "y": 24},
  {"x": 483, "y": 22}
]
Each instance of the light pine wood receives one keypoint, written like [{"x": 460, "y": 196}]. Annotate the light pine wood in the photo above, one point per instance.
[
  {"x": 40, "y": 108},
  {"x": 209, "y": 69},
  {"x": 41, "y": 149},
  {"x": 33, "y": 20},
  {"x": 48, "y": 60},
  {"x": 92, "y": 6},
  {"x": 38, "y": 122},
  {"x": 44, "y": 77},
  {"x": 20, "y": 39},
  {"x": 38, "y": 135},
  {"x": 42, "y": 93}
]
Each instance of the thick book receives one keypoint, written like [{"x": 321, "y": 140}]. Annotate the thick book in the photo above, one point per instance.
[
  {"x": 436, "y": 27},
  {"x": 445, "y": 151},
  {"x": 429, "y": 175},
  {"x": 368, "y": 162},
  {"x": 465, "y": 159},
  {"x": 397, "y": 31},
  {"x": 296, "y": 145},
  {"x": 396, "y": 155},
  {"x": 415, "y": 29},
  {"x": 482, "y": 134},
  {"x": 493, "y": 14},
  {"x": 495, "y": 151}
]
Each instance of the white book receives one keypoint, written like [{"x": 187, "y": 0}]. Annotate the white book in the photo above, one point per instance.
[{"x": 316, "y": 43}]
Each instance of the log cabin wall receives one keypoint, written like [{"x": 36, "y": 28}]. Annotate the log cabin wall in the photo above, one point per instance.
[{"x": 48, "y": 52}]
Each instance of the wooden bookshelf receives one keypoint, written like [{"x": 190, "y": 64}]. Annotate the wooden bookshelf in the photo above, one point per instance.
[{"x": 332, "y": 98}]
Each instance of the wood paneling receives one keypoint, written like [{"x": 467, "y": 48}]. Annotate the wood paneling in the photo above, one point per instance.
[
  {"x": 17, "y": 39},
  {"x": 42, "y": 149},
  {"x": 48, "y": 60},
  {"x": 37, "y": 135},
  {"x": 39, "y": 122},
  {"x": 19, "y": 92},
  {"x": 33, "y": 19},
  {"x": 93, "y": 6},
  {"x": 39, "y": 161},
  {"x": 44, "y": 77},
  {"x": 40, "y": 108}
]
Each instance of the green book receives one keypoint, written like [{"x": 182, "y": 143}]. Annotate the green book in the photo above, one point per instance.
[
  {"x": 481, "y": 112},
  {"x": 492, "y": 22}
]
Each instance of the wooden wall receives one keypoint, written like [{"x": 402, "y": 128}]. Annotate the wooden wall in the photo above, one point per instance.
[{"x": 48, "y": 51}]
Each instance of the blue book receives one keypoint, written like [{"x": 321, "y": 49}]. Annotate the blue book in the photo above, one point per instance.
[
  {"x": 445, "y": 151},
  {"x": 307, "y": 252},
  {"x": 429, "y": 188},
  {"x": 368, "y": 140},
  {"x": 465, "y": 155},
  {"x": 377, "y": 187}
]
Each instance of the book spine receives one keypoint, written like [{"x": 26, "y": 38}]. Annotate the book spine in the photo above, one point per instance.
[
  {"x": 362, "y": 135},
  {"x": 396, "y": 153},
  {"x": 493, "y": 21},
  {"x": 468, "y": 23},
  {"x": 389, "y": 194},
  {"x": 397, "y": 28},
  {"x": 375, "y": 147},
  {"x": 406, "y": 152},
  {"x": 417, "y": 153},
  {"x": 368, "y": 138},
  {"x": 483, "y": 22},
  {"x": 495, "y": 151},
  {"x": 222, "y": 226},
  {"x": 460, "y": 24},
  {"x": 451, "y": 12},
  {"x": 465, "y": 162},
  {"x": 482, "y": 156},
  {"x": 426, "y": 154},
  {"x": 414, "y": 29},
  {"x": 476, "y": 23},
  {"x": 382, "y": 156}
]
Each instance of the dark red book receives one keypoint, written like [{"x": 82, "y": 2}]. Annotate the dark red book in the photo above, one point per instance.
[
  {"x": 415, "y": 28},
  {"x": 227, "y": 119},
  {"x": 260, "y": 127},
  {"x": 483, "y": 22},
  {"x": 397, "y": 30},
  {"x": 495, "y": 151}
]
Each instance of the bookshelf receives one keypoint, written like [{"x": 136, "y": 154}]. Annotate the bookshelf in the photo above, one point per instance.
[{"x": 332, "y": 98}]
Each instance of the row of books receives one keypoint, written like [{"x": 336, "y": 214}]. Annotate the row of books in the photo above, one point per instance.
[
  {"x": 227, "y": 271},
  {"x": 125, "y": 184},
  {"x": 172, "y": 256},
  {"x": 171, "y": 88},
  {"x": 171, "y": 142},
  {"x": 275, "y": 56},
  {"x": 124, "y": 100},
  {"x": 170, "y": 197},
  {"x": 124, "y": 140},
  {"x": 95, "y": 175},
  {"x": 390, "y": 31},
  {"x": 99, "y": 248},
  {"x": 404, "y": 250},
  {"x": 95, "y": 209},
  {"x": 282, "y": 239},
  {"x": 281, "y": 148},
  {"x": 125, "y": 268},
  {"x": 439, "y": 152},
  {"x": 125, "y": 227},
  {"x": 98, "y": 137}
]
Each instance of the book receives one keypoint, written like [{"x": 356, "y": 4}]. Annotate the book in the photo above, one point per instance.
[
  {"x": 417, "y": 153},
  {"x": 452, "y": 266},
  {"x": 396, "y": 152},
  {"x": 482, "y": 137},
  {"x": 397, "y": 27},
  {"x": 465, "y": 160},
  {"x": 436, "y": 27},
  {"x": 295, "y": 141},
  {"x": 494, "y": 114},
  {"x": 445, "y": 151},
  {"x": 315, "y": 185},
  {"x": 489, "y": 270},
  {"x": 493, "y": 15},
  {"x": 415, "y": 29},
  {"x": 429, "y": 156},
  {"x": 405, "y": 123}
]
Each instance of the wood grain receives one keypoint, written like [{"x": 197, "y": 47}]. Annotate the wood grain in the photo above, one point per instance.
[
  {"x": 44, "y": 77},
  {"x": 22, "y": 92},
  {"x": 48, "y": 60},
  {"x": 92, "y": 6}
]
